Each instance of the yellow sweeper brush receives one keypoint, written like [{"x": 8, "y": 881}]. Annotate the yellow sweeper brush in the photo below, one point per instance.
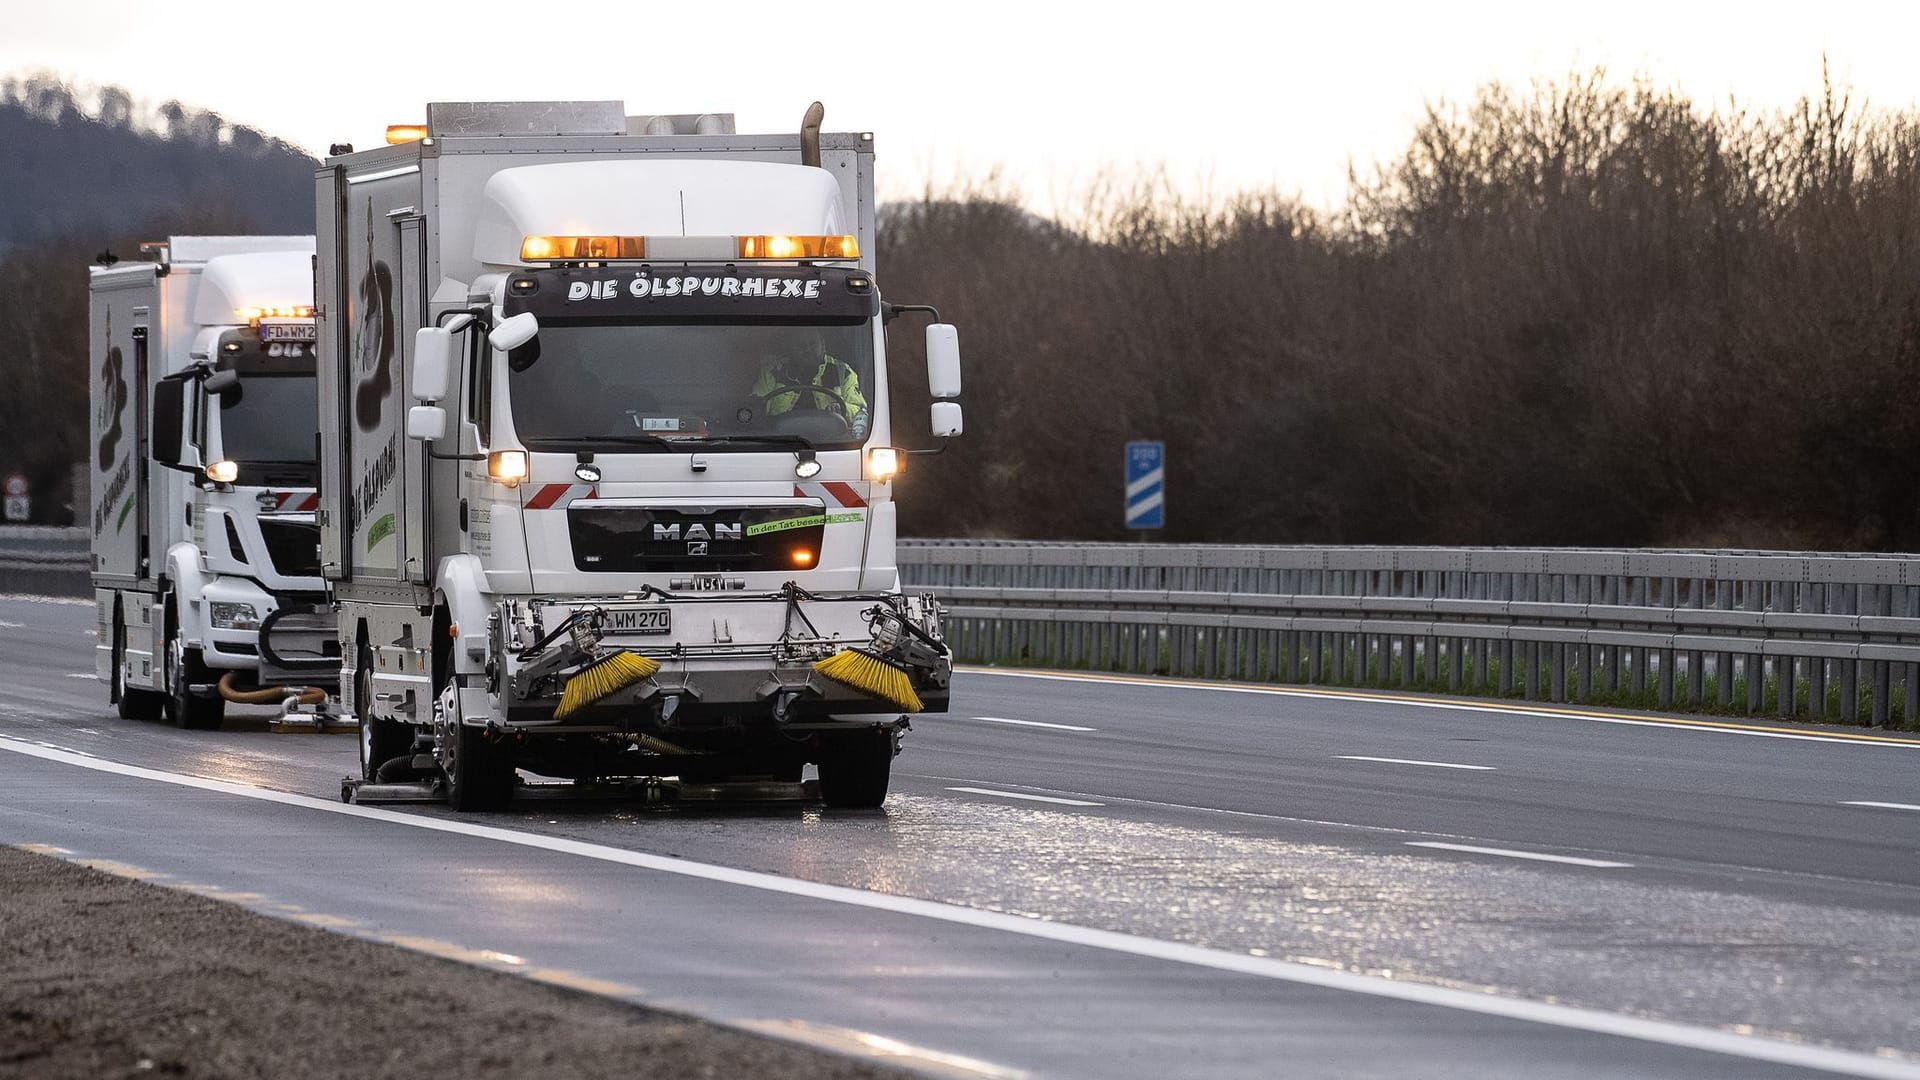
[
  {"x": 868, "y": 674},
  {"x": 609, "y": 674}
]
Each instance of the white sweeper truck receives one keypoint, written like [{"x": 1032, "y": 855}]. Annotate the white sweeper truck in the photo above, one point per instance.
[
  {"x": 206, "y": 561},
  {"x": 607, "y": 457}
]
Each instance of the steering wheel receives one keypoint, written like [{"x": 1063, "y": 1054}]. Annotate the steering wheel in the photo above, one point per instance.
[
  {"x": 804, "y": 402},
  {"x": 806, "y": 417}
]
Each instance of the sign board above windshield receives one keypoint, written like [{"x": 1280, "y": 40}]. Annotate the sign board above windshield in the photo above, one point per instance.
[{"x": 696, "y": 292}]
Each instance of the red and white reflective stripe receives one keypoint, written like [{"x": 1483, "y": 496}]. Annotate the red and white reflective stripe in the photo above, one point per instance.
[
  {"x": 295, "y": 500},
  {"x": 834, "y": 493},
  {"x": 557, "y": 496}
]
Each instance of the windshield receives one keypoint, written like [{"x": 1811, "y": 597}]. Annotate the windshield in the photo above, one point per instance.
[
  {"x": 666, "y": 385},
  {"x": 271, "y": 419}
]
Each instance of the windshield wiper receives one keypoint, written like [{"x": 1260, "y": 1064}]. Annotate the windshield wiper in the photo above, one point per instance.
[
  {"x": 771, "y": 440},
  {"x": 589, "y": 442}
]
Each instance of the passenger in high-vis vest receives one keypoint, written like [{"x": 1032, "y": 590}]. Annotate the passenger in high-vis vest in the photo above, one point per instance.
[{"x": 838, "y": 388}]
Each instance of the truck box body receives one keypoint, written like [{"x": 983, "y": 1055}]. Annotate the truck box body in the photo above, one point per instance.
[
  {"x": 683, "y": 543},
  {"x": 169, "y": 544}
]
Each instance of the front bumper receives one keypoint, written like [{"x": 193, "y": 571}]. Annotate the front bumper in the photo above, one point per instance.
[{"x": 304, "y": 647}]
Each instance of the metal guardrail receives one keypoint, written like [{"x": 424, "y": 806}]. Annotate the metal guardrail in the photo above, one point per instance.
[
  {"x": 45, "y": 561},
  {"x": 1823, "y": 635}
]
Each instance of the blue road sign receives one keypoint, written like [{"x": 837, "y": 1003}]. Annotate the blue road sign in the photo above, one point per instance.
[{"x": 1146, "y": 505}]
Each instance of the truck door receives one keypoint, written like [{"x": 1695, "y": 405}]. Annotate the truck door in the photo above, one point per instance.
[{"x": 411, "y": 284}]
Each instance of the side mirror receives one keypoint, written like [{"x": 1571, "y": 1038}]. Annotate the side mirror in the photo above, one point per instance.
[
  {"x": 946, "y": 419},
  {"x": 221, "y": 383},
  {"x": 943, "y": 360},
  {"x": 432, "y": 363},
  {"x": 167, "y": 437},
  {"x": 514, "y": 332},
  {"x": 426, "y": 422}
]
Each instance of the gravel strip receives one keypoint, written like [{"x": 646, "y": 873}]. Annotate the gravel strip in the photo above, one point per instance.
[{"x": 103, "y": 976}]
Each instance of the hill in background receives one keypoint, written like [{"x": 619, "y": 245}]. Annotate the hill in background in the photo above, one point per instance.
[{"x": 96, "y": 163}]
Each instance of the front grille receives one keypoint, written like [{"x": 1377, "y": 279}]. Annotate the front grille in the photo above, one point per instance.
[
  {"x": 716, "y": 540},
  {"x": 294, "y": 547}
]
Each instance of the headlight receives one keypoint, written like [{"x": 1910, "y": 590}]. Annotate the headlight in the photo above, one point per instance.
[
  {"x": 507, "y": 466},
  {"x": 229, "y": 615},
  {"x": 883, "y": 462}
]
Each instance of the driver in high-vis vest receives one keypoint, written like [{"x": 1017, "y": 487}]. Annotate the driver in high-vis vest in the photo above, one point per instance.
[{"x": 837, "y": 386}]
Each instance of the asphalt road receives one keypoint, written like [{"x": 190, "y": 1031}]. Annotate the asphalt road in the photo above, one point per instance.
[{"x": 1081, "y": 877}]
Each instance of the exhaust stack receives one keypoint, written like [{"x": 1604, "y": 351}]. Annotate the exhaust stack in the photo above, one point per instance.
[{"x": 810, "y": 134}]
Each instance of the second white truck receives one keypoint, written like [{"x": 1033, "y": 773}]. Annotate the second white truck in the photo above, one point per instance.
[
  {"x": 607, "y": 455},
  {"x": 206, "y": 566}
]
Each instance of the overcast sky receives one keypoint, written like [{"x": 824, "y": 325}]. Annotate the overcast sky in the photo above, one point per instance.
[{"x": 1227, "y": 95}]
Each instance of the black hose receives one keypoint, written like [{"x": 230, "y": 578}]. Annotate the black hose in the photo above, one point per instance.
[{"x": 266, "y": 642}]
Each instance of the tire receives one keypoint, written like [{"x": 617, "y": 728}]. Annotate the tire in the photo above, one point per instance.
[
  {"x": 480, "y": 777},
  {"x": 183, "y": 669},
  {"x": 855, "y": 771},
  {"x": 380, "y": 740},
  {"x": 132, "y": 704}
]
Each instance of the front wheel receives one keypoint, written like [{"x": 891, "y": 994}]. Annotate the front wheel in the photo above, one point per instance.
[
  {"x": 480, "y": 777},
  {"x": 855, "y": 770},
  {"x": 184, "y": 668}
]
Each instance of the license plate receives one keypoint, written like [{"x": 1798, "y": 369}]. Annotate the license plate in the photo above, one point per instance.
[
  {"x": 295, "y": 331},
  {"x": 641, "y": 621}
]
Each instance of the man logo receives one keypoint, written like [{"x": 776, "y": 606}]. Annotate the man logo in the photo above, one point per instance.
[{"x": 697, "y": 547}]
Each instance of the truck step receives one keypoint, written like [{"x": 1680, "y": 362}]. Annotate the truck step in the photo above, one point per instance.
[{"x": 367, "y": 793}]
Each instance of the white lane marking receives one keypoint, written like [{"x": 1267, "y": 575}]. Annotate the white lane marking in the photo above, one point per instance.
[
  {"x": 1884, "y": 805},
  {"x": 81, "y": 675},
  {"x": 5, "y": 625},
  {"x": 1676, "y": 723},
  {"x": 35, "y": 598},
  {"x": 1019, "y": 795},
  {"x": 1663, "y": 1032},
  {"x": 1409, "y": 761},
  {"x": 1511, "y": 854},
  {"x": 1033, "y": 723},
  {"x": 868, "y": 1044},
  {"x": 1384, "y": 830}
]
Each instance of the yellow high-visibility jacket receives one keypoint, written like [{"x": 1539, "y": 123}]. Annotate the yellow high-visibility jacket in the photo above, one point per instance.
[{"x": 830, "y": 375}]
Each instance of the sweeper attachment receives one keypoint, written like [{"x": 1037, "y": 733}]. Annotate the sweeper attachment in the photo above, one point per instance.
[
  {"x": 881, "y": 667},
  {"x": 605, "y": 672}
]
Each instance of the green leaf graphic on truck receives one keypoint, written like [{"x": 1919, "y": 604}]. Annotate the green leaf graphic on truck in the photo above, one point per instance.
[{"x": 380, "y": 530}]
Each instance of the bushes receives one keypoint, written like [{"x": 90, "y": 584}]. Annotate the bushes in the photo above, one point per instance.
[{"x": 1577, "y": 314}]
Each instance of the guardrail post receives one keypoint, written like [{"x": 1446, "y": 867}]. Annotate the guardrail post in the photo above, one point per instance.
[
  {"x": 1849, "y": 691},
  {"x": 1882, "y": 690},
  {"x": 1666, "y": 678}
]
